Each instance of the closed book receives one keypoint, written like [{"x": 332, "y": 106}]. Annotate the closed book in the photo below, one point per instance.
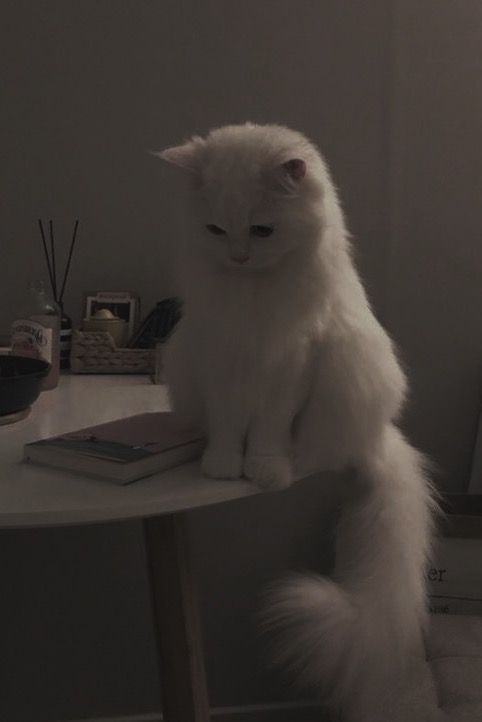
[
  {"x": 455, "y": 576},
  {"x": 475, "y": 482},
  {"x": 121, "y": 451}
]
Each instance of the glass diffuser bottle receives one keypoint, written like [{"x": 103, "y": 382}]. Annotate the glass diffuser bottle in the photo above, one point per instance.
[{"x": 65, "y": 338}]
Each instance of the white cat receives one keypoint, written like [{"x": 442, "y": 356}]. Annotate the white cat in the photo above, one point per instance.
[{"x": 280, "y": 359}]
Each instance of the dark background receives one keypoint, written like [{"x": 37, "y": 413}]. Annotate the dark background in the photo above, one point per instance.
[{"x": 390, "y": 91}]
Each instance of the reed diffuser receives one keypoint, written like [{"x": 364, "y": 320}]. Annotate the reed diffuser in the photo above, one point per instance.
[{"x": 59, "y": 290}]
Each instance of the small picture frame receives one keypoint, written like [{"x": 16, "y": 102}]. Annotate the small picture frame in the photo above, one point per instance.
[{"x": 122, "y": 304}]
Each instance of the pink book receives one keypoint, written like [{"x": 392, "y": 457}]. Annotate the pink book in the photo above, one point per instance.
[{"x": 123, "y": 450}]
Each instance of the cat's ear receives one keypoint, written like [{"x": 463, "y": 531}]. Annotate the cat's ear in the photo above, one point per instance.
[
  {"x": 187, "y": 156},
  {"x": 287, "y": 175}
]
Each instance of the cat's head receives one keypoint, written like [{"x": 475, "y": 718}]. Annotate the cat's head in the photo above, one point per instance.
[{"x": 258, "y": 194}]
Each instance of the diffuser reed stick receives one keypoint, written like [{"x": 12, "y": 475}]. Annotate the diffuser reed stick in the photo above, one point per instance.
[
  {"x": 44, "y": 242},
  {"x": 52, "y": 252},
  {"x": 67, "y": 267},
  {"x": 51, "y": 260}
]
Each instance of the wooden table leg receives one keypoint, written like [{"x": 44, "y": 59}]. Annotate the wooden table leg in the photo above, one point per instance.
[{"x": 179, "y": 640}]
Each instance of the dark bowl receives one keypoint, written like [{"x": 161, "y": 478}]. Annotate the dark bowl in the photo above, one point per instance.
[{"x": 20, "y": 382}]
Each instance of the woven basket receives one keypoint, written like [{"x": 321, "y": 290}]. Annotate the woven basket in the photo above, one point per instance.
[{"x": 94, "y": 352}]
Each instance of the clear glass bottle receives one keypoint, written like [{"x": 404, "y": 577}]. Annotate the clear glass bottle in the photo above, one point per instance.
[
  {"x": 36, "y": 331},
  {"x": 65, "y": 339}
]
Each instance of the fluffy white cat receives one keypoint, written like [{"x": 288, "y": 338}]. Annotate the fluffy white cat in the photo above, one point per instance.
[{"x": 279, "y": 358}]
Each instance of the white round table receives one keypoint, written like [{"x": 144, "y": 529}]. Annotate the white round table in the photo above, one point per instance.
[{"x": 34, "y": 496}]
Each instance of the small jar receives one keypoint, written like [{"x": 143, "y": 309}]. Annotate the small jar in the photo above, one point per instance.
[{"x": 36, "y": 331}]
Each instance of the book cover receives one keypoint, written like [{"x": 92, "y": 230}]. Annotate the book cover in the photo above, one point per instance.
[
  {"x": 455, "y": 576},
  {"x": 475, "y": 482},
  {"x": 122, "y": 450}
]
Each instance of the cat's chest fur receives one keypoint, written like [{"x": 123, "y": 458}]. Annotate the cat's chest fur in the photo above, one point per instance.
[{"x": 251, "y": 327}]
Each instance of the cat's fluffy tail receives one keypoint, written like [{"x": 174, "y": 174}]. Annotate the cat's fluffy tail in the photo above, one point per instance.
[{"x": 352, "y": 635}]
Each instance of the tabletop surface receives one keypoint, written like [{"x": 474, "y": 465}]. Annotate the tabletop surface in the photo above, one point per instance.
[{"x": 32, "y": 496}]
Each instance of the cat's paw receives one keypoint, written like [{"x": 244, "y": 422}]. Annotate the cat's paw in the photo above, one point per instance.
[
  {"x": 222, "y": 465},
  {"x": 268, "y": 471}
]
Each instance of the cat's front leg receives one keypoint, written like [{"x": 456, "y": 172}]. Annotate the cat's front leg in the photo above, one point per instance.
[
  {"x": 269, "y": 452},
  {"x": 268, "y": 458},
  {"x": 269, "y": 471},
  {"x": 223, "y": 457}
]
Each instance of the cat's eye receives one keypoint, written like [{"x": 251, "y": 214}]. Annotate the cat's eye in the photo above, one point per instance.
[
  {"x": 215, "y": 229},
  {"x": 261, "y": 231}
]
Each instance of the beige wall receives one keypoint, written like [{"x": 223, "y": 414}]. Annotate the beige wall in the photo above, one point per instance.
[
  {"x": 391, "y": 92},
  {"x": 90, "y": 87},
  {"x": 434, "y": 294}
]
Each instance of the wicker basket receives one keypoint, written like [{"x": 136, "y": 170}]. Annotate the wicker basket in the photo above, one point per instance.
[{"x": 94, "y": 352}]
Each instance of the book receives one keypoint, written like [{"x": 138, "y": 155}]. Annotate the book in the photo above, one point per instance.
[
  {"x": 123, "y": 450},
  {"x": 475, "y": 483},
  {"x": 455, "y": 576}
]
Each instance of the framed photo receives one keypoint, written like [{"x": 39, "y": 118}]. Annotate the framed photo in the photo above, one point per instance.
[{"x": 122, "y": 304}]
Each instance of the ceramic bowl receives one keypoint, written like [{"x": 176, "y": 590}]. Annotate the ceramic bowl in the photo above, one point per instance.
[{"x": 20, "y": 382}]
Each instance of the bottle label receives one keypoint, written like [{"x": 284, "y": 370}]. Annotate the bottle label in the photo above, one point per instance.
[
  {"x": 30, "y": 338},
  {"x": 65, "y": 341}
]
